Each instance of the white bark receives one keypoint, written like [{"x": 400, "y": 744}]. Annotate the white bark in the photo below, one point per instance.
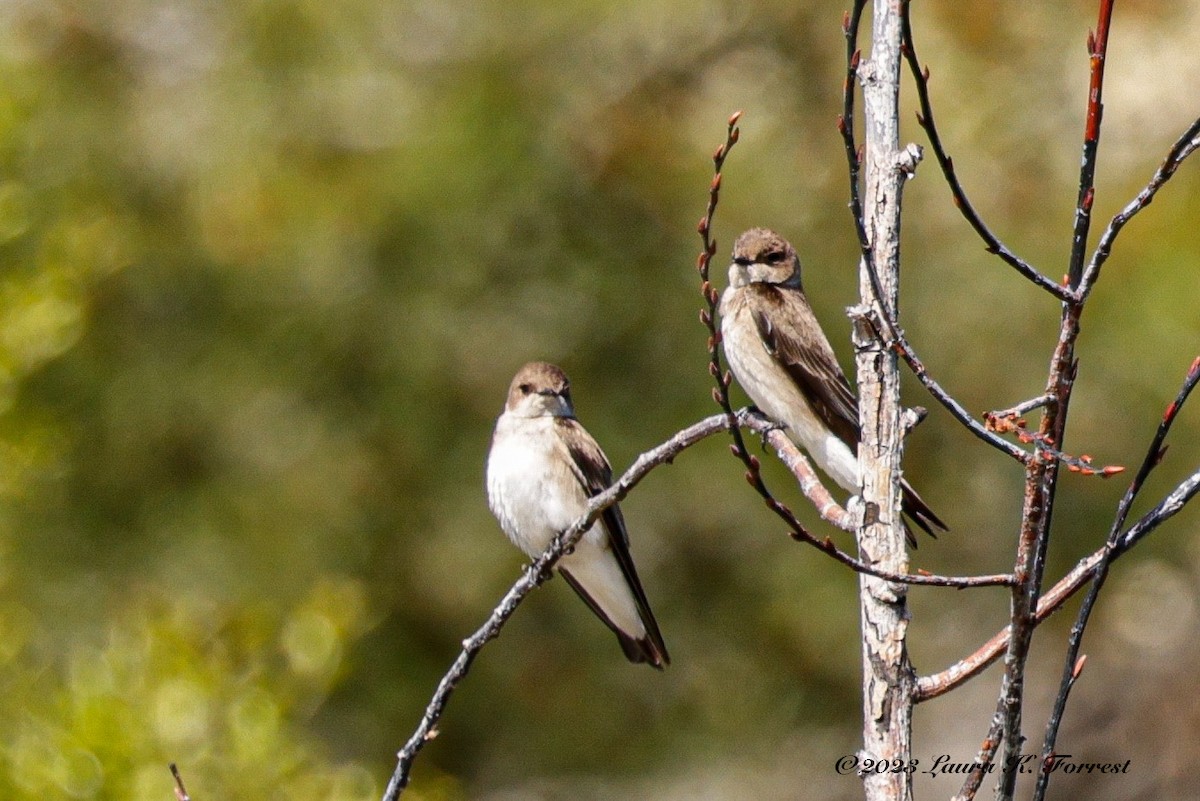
[{"x": 888, "y": 679}]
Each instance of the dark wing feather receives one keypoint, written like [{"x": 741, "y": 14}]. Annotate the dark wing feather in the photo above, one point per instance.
[
  {"x": 794, "y": 338},
  {"x": 595, "y": 475},
  {"x": 791, "y": 334}
]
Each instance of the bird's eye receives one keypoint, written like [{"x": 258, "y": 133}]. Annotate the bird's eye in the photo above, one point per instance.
[
  {"x": 525, "y": 388},
  {"x": 775, "y": 256}
]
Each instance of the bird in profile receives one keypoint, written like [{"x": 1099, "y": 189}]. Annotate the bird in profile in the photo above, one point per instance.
[
  {"x": 784, "y": 362},
  {"x": 542, "y": 468}
]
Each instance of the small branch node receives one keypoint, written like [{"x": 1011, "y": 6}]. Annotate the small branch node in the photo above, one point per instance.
[{"x": 911, "y": 418}]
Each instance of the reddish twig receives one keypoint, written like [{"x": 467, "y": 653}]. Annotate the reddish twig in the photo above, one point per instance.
[
  {"x": 1020, "y": 410},
  {"x": 1089, "y": 568},
  {"x": 983, "y": 760},
  {"x": 1098, "y": 54},
  {"x": 1041, "y": 480},
  {"x": 708, "y": 316},
  {"x": 1011, "y": 421}
]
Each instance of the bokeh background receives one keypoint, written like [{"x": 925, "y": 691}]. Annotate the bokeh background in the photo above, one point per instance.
[{"x": 269, "y": 266}]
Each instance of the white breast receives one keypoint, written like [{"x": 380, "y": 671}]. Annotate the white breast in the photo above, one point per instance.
[
  {"x": 777, "y": 395},
  {"x": 532, "y": 499}
]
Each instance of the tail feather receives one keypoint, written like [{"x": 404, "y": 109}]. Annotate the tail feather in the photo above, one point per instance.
[
  {"x": 919, "y": 513},
  {"x": 649, "y": 650}
]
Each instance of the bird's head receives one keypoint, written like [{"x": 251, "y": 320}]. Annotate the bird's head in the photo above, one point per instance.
[
  {"x": 761, "y": 256},
  {"x": 540, "y": 389}
]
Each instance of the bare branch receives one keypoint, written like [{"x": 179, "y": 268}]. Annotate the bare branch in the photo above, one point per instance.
[
  {"x": 1041, "y": 477},
  {"x": 534, "y": 576},
  {"x": 1051, "y": 601},
  {"x": 1072, "y": 664},
  {"x": 1098, "y": 53},
  {"x": 181, "y": 793},
  {"x": 926, "y": 120},
  {"x": 1020, "y": 410},
  {"x": 897, "y": 340},
  {"x": 795, "y": 461},
  {"x": 891, "y": 333},
  {"x": 987, "y": 753},
  {"x": 1185, "y": 146}
]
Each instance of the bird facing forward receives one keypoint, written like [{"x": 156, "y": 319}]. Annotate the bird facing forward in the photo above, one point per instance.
[
  {"x": 542, "y": 469},
  {"x": 784, "y": 362}
]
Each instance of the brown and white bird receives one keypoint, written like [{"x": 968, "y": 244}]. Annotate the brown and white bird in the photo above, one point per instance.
[
  {"x": 542, "y": 469},
  {"x": 784, "y": 362}
]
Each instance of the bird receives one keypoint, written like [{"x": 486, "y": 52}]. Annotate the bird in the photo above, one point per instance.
[
  {"x": 542, "y": 467},
  {"x": 783, "y": 360}
]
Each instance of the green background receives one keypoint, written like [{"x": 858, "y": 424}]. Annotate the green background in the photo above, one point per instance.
[{"x": 268, "y": 267}]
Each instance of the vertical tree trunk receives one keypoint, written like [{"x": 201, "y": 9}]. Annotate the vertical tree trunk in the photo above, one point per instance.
[{"x": 888, "y": 679}]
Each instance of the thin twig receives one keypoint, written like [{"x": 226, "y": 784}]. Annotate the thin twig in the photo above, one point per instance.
[
  {"x": 1020, "y": 410},
  {"x": 892, "y": 334},
  {"x": 850, "y": 22},
  {"x": 897, "y": 340},
  {"x": 708, "y": 316},
  {"x": 929, "y": 687},
  {"x": 1010, "y": 421},
  {"x": 535, "y": 575},
  {"x": 983, "y": 760},
  {"x": 1073, "y": 663},
  {"x": 1185, "y": 146},
  {"x": 1041, "y": 479},
  {"x": 926, "y": 120},
  {"x": 791, "y": 456},
  {"x": 181, "y": 793},
  {"x": 1098, "y": 53}
]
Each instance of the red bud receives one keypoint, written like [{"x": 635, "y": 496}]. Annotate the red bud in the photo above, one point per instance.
[{"x": 1079, "y": 663}]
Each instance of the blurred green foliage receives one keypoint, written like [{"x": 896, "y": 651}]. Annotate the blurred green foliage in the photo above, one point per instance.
[{"x": 267, "y": 268}]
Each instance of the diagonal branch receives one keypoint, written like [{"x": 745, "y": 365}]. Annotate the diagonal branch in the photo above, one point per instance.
[
  {"x": 926, "y": 120},
  {"x": 535, "y": 575},
  {"x": 902, "y": 346},
  {"x": 1073, "y": 664},
  {"x": 929, "y": 687},
  {"x": 181, "y": 793},
  {"x": 1042, "y": 474},
  {"x": 1186, "y": 145},
  {"x": 892, "y": 333},
  {"x": 791, "y": 456}
]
